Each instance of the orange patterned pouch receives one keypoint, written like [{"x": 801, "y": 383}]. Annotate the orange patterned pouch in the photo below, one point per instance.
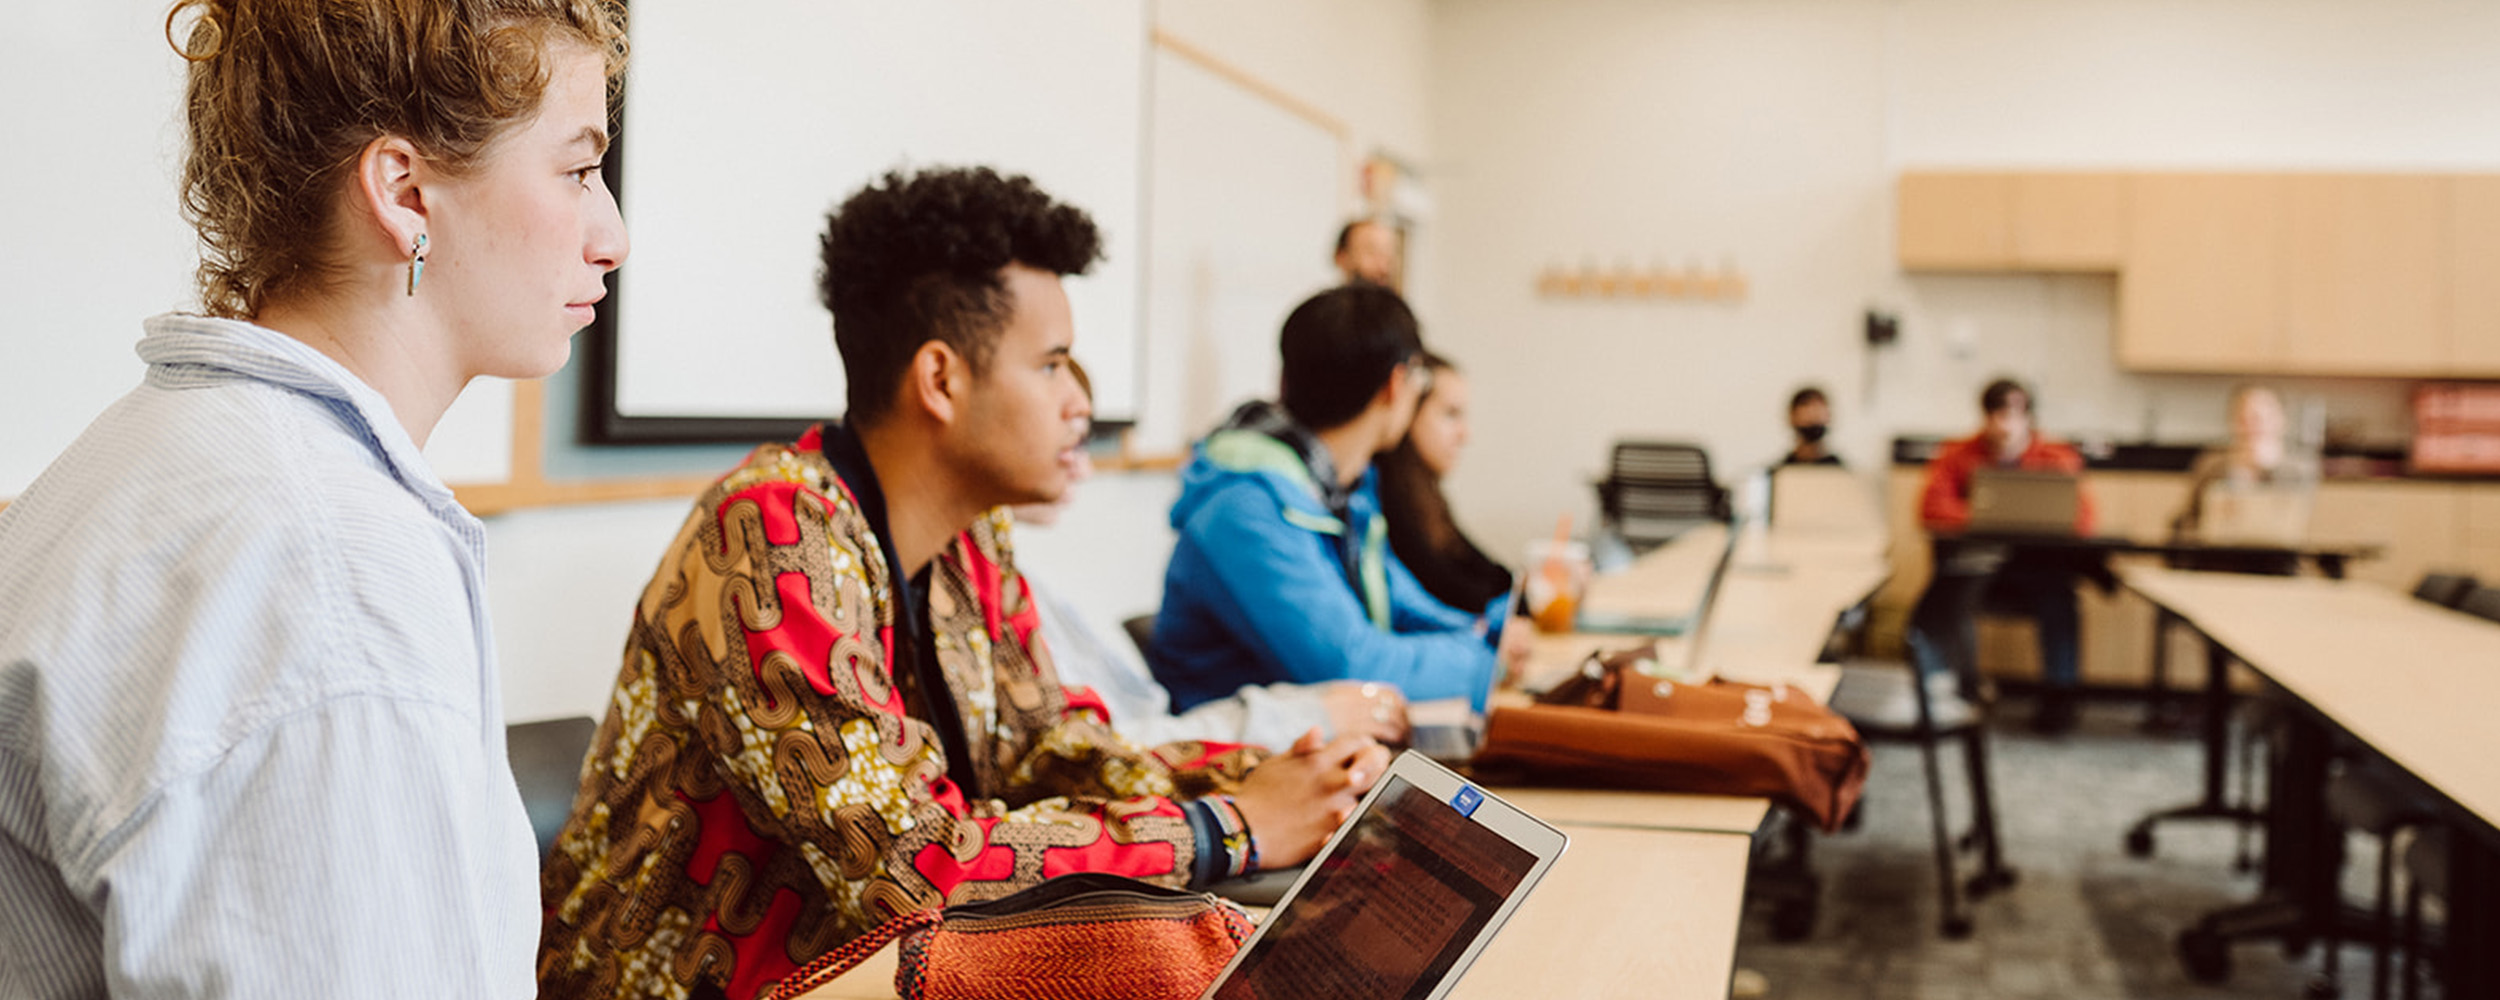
[{"x": 1070, "y": 938}]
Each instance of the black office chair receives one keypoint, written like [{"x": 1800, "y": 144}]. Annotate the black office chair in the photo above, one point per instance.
[
  {"x": 2427, "y": 863},
  {"x": 2444, "y": 589},
  {"x": 2373, "y": 796},
  {"x": 2377, "y": 798},
  {"x": 547, "y": 763},
  {"x": 1891, "y": 701},
  {"x": 2482, "y": 602},
  {"x": 1141, "y": 630},
  {"x": 1656, "y": 490}
]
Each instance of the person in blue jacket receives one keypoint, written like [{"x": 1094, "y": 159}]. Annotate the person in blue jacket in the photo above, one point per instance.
[{"x": 1282, "y": 572}]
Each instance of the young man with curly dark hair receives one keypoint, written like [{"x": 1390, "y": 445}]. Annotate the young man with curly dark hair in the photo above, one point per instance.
[{"x": 835, "y": 705}]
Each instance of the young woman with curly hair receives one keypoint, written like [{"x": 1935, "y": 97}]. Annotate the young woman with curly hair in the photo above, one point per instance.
[{"x": 250, "y": 736}]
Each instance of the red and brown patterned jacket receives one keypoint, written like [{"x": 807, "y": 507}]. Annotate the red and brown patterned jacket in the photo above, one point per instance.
[{"x": 767, "y": 785}]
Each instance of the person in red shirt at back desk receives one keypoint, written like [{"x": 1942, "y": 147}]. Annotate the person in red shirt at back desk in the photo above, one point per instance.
[{"x": 2038, "y": 582}]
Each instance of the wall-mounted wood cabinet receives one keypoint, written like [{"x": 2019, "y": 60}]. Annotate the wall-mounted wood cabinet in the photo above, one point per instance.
[
  {"x": 2307, "y": 274},
  {"x": 2368, "y": 276},
  {"x": 2012, "y": 221},
  {"x": 2202, "y": 286},
  {"x": 2474, "y": 274},
  {"x": 1956, "y": 222}
]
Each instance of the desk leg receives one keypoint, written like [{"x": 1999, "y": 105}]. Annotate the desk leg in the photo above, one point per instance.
[
  {"x": 2217, "y": 727},
  {"x": 2161, "y": 712},
  {"x": 2217, "y": 739}
]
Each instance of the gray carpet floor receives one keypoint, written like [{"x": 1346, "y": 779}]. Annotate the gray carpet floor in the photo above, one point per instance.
[{"x": 2085, "y": 921}]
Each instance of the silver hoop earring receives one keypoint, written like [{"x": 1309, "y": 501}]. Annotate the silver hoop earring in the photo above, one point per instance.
[{"x": 416, "y": 264}]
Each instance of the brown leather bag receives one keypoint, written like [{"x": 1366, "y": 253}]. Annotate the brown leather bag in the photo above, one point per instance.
[{"x": 1613, "y": 727}]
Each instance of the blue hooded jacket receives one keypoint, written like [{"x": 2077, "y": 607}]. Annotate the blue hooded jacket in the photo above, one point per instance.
[{"x": 1267, "y": 586}]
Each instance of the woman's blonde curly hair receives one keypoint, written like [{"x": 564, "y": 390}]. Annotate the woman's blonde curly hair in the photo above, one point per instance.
[{"x": 285, "y": 94}]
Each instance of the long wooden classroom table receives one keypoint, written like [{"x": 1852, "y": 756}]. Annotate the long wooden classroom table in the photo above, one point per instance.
[
  {"x": 1624, "y": 913},
  {"x": 1782, "y": 592},
  {"x": 2418, "y": 683},
  {"x": 2415, "y": 683}
]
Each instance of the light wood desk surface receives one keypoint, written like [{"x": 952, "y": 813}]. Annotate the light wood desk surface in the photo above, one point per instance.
[
  {"x": 2416, "y": 682},
  {"x": 1667, "y": 582},
  {"x": 1664, "y": 583},
  {"x": 1624, "y": 913},
  {"x": 1738, "y": 814},
  {"x": 1776, "y": 607}
]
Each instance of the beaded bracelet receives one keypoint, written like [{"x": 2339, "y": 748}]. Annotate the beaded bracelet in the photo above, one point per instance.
[{"x": 1241, "y": 850}]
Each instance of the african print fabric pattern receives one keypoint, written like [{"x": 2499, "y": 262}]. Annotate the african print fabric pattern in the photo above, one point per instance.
[{"x": 763, "y": 790}]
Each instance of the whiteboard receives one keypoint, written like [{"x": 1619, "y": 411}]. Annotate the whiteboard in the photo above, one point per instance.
[
  {"x": 1246, "y": 198},
  {"x": 747, "y": 120}
]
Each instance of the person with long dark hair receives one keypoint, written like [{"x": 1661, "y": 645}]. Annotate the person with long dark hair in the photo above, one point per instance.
[{"x": 1422, "y": 530}]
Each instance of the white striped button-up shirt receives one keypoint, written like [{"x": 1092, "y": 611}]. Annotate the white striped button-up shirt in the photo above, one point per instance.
[{"x": 250, "y": 738}]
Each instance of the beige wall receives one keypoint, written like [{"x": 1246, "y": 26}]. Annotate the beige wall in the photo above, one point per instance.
[
  {"x": 1246, "y": 189},
  {"x": 1363, "y": 61},
  {"x": 1767, "y": 134}
]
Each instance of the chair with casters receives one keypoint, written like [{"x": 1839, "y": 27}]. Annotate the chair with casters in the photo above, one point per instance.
[
  {"x": 1930, "y": 705},
  {"x": 2427, "y": 863},
  {"x": 1656, "y": 490},
  {"x": 2374, "y": 796},
  {"x": 547, "y": 764},
  {"x": 2370, "y": 795}
]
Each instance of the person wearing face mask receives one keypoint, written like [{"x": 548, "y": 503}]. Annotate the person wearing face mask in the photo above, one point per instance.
[
  {"x": 1810, "y": 418},
  {"x": 2005, "y": 440},
  {"x": 1421, "y": 529},
  {"x": 2041, "y": 583}
]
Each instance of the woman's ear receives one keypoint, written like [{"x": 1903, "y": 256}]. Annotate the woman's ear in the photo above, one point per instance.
[{"x": 388, "y": 190}]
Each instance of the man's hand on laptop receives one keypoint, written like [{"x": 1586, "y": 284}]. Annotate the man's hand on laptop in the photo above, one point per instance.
[
  {"x": 1297, "y": 798},
  {"x": 1366, "y": 708}
]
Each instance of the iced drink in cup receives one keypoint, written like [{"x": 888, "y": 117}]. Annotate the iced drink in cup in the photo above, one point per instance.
[{"x": 1558, "y": 574}]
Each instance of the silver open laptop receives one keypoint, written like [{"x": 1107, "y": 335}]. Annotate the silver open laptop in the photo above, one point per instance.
[
  {"x": 1402, "y": 899},
  {"x": 2255, "y": 514},
  {"x": 2020, "y": 502}
]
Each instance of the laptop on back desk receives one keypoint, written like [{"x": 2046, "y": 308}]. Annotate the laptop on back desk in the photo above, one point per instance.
[{"x": 2023, "y": 502}]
